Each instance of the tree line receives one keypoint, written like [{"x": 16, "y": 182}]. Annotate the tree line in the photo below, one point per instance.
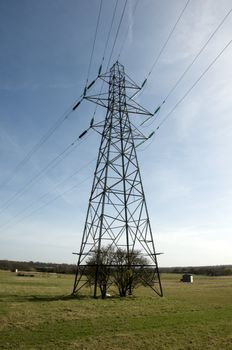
[
  {"x": 37, "y": 266},
  {"x": 218, "y": 270}
]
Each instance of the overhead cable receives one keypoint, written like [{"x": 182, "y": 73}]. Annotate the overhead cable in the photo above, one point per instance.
[
  {"x": 60, "y": 121},
  {"x": 116, "y": 36},
  {"x": 36, "y": 147},
  {"x": 191, "y": 64},
  {"x": 126, "y": 36},
  {"x": 45, "y": 137},
  {"x": 165, "y": 43},
  {"x": 108, "y": 36},
  {"x": 197, "y": 55},
  {"x": 94, "y": 42},
  {"x": 190, "y": 89},
  {"x": 45, "y": 194},
  {"x": 104, "y": 52},
  {"x": 195, "y": 83},
  {"x": 115, "y": 39},
  {"x": 53, "y": 163},
  {"x": 71, "y": 189}
]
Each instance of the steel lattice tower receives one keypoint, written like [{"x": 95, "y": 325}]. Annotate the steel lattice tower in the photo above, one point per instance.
[{"x": 117, "y": 214}]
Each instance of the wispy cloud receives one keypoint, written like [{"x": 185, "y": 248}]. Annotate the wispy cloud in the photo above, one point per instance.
[{"x": 195, "y": 29}]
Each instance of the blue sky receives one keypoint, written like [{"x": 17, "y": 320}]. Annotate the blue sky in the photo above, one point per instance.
[{"x": 186, "y": 169}]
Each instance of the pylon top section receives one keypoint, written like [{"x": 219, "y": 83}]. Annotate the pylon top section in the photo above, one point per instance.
[{"x": 117, "y": 77}]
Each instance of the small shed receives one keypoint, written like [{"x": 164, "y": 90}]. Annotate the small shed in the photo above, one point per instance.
[{"x": 187, "y": 277}]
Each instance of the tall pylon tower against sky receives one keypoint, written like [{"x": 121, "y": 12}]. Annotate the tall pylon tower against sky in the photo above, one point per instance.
[{"x": 117, "y": 215}]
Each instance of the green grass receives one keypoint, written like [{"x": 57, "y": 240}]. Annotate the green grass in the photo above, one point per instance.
[{"x": 37, "y": 313}]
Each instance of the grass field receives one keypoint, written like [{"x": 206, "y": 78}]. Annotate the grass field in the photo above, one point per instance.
[{"x": 36, "y": 313}]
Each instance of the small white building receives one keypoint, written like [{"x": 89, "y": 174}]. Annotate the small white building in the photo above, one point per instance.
[{"x": 187, "y": 278}]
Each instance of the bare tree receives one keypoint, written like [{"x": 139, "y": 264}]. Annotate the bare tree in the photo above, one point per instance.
[
  {"x": 125, "y": 270},
  {"x": 129, "y": 270},
  {"x": 100, "y": 264}
]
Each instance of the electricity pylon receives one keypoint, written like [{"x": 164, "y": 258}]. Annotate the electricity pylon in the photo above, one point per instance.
[{"x": 117, "y": 215}]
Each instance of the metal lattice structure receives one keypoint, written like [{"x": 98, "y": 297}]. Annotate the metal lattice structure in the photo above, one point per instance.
[{"x": 117, "y": 215}]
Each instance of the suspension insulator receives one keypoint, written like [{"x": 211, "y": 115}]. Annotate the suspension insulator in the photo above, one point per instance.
[
  {"x": 143, "y": 83},
  {"x": 151, "y": 135},
  {"x": 91, "y": 84},
  {"x": 82, "y": 134},
  {"x": 78, "y": 104},
  {"x": 157, "y": 110},
  {"x": 100, "y": 69},
  {"x": 91, "y": 123},
  {"x": 84, "y": 93}
]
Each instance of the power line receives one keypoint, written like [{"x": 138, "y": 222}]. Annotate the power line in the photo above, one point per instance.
[
  {"x": 189, "y": 90},
  {"x": 62, "y": 119},
  {"x": 109, "y": 32},
  {"x": 195, "y": 83},
  {"x": 58, "y": 122},
  {"x": 104, "y": 52},
  {"x": 115, "y": 39},
  {"x": 116, "y": 36},
  {"x": 44, "y": 138},
  {"x": 126, "y": 36},
  {"x": 53, "y": 200},
  {"x": 166, "y": 42},
  {"x": 36, "y": 147},
  {"x": 46, "y": 194},
  {"x": 197, "y": 55},
  {"x": 94, "y": 42},
  {"x": 190, "y": 65},
  {"x": 53, "y": 163}
]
